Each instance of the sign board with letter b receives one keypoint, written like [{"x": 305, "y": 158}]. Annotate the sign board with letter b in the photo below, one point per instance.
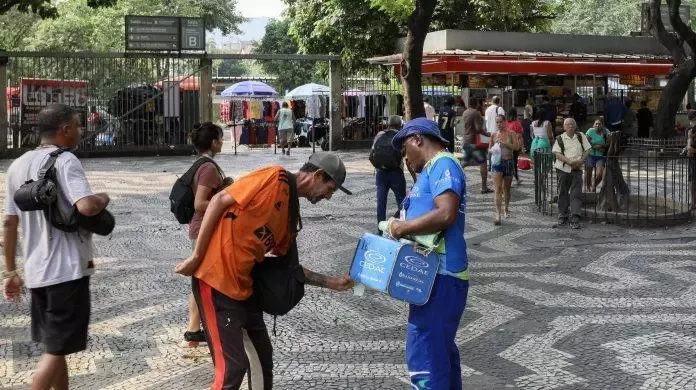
[{"x": 164, "y": 33}]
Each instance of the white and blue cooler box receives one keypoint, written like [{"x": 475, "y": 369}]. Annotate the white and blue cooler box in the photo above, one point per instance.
[{"x": 404, "y": 271}]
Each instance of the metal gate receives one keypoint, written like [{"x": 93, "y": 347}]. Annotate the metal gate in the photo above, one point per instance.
[{"x": 130, "y": 103}]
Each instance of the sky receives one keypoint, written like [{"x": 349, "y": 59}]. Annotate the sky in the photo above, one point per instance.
[{"x": 260, "y": 8}]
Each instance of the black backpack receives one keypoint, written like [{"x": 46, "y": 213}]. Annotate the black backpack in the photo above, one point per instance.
[
  {"x": 279, "y": 281},
  {"x": 383, "y": 154},
  {"x": 182, "y": 196}
]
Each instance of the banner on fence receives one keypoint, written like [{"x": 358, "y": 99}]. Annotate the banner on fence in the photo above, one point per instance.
[{"x": 39, "y": 93}]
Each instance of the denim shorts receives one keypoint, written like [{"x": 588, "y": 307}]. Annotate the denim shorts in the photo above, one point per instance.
[
  {"x": 506, "y": 167},
  {"x": 594, "y": 161}
]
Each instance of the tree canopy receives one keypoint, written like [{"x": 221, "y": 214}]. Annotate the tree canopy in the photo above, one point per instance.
[
  {"x": 359, "y": 29},
  {"x": 290, "y": 73},
  {"x": 44, "y": 8},
  {"x": 595, "y": 17},
  {"x": 84, "y": 27}
]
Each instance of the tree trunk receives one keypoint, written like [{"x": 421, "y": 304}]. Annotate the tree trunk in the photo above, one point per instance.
[
  {"x": 613, "y": 196},
  {"x": 411, "y": 76},
  {"x": 672, "y": 96}
]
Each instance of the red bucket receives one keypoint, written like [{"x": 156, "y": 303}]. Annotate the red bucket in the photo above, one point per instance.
[{"x": 524, "y": 164}]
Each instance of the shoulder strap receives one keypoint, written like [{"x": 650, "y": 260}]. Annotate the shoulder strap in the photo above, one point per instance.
[
  {"x": 52, "y": 158},
  {"x": 581, "y": 137},
  {"x": 559, "y": 139},
  {"x": 52, "y": 213},
  {"x": 293, "y": 204},
  {"x": 187, "y": 178}
]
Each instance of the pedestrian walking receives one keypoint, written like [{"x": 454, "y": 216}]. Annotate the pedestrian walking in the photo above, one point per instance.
[
  {"x": 514, "y": 125},
  {"x": 629, "y": 126},
  {"x": 248, "y": 219},
  {"x": 614, "y": 113},
  {"x": 571, "y": 149},
  {"x": 57, "y": 263},
  {"x": 286, "y": 127},
  {"x": 548, "y": 112},
  {"x": 207, "y": 179},
  {"x": 445, "y": 121},
  {"x": 594, "y": 166},
  {"x": 429, "y": 110},
  {"x": 437, "y": 203},
  {"x": 527, "y": 134},
  {"x": 389, "y": 166},
  {"x": 503, "y": 144},
  {"x": 492, "y": 113},
  {"x": 645, "y": 120},
  {"x": 475, "y": 152}
]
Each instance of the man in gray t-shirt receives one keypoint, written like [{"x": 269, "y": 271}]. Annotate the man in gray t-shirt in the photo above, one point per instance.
[{"x": 57, "y": 264}]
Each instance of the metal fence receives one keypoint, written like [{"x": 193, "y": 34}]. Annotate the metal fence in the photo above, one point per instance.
[
  {"x": 651, "y": 146},
  {"x": 371, "y": 96},
  {"x": 133, "y": 102},
  {"x": 127, "y": 103},
  {"x": 660, "y": 190}
]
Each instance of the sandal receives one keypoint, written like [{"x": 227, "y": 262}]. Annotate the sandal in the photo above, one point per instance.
[{"x": 486, "y": 191}]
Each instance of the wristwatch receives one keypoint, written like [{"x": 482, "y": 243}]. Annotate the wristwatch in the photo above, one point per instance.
[{"x": 9, "y": 274}]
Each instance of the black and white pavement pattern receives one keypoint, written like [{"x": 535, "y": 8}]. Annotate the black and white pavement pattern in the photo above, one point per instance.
[{"x": 601, "y": 308}]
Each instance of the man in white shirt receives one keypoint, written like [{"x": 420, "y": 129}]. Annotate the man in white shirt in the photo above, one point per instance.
[
  {"x": 429, "y": 110},
  {"x": 571, "y": 149},
  {"x": 57, "y": 264},
  {"x": 492, "y": 113}
]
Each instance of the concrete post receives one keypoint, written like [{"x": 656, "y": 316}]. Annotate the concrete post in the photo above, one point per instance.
[
  {"x": 206, "y": 92},
  {"x": 335, "y": 84},
  {"x": 4, "y": 125}
]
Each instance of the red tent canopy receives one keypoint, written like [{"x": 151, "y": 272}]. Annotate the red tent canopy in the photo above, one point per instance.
[{"x": 186, "y": 83}]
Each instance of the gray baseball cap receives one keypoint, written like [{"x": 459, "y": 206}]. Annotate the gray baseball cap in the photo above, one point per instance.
[{"x": 332, "y": 165}]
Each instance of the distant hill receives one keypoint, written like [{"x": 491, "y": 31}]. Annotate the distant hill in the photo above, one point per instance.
[{"x": 252, "y": 30}]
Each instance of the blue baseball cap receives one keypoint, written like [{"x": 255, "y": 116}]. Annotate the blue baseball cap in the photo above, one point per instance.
[{"x": 422, "y": 126}]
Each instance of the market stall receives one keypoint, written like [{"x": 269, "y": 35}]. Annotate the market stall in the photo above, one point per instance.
[
  {"x": 522, "y": 67},
  {"x": 251, "y": 109},
  {"x": 311, "y": 105}
]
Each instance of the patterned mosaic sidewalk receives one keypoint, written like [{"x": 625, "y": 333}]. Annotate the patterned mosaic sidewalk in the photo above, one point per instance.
[{"x": 602, "y": 308}]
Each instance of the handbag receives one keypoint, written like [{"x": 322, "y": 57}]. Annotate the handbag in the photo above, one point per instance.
[{"x": 482, "y": 141}]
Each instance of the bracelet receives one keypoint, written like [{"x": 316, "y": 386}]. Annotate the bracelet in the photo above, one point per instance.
[{"x": 9, "y": 274}]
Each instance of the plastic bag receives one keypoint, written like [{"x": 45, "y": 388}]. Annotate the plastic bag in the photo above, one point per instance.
[{"x": 496, "y": 154}]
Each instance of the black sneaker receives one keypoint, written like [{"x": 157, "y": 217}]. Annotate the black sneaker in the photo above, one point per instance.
[
  {"x": 193, "y": 338},
  {"x": 575, "y": 225}
]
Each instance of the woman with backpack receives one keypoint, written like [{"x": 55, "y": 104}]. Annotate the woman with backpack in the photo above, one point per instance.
[
  {"x": 503, "y": 144},
  {"x": 208, "y": 179}
]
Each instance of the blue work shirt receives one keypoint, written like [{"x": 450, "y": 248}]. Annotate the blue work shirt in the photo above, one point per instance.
[{"x": 442, "y": 174}]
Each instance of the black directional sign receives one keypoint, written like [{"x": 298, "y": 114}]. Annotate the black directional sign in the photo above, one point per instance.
[
  {"x": 164, "y": 33},
  {"x": 192, "y": 34}
]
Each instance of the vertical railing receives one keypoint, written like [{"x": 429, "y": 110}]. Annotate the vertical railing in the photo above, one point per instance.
[{"x": 660, "y": 190}]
